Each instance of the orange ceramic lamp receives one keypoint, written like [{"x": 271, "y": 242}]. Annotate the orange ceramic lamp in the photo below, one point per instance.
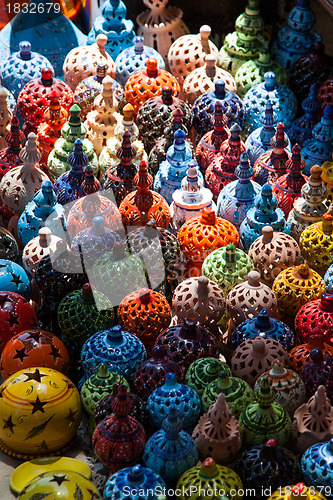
[
  {"x": 33, "y": 348},
  {"x": 147, "y": 83},
  {"x": 143, "y": 205},
  {"x": 145, "y": 313},
  {"x": 201, "y": 235}
]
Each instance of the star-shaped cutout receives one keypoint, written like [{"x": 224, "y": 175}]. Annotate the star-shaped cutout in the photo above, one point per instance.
[
  {"x": 20, "y": 354},
  {"x": 55, "y": 352},
  {"x": 12, "y": 320},
  {"x": 59, "y": 479},
  {"x": 71, "y": 415},
  {"x": 16, "y": 279},
  {"x": 36, "y": 375},
  {"x": 8, "y": 424},
  {"x": 38, "y": 406},
  {"x": 43, "y": 446},
  {"x": 35, "y": 335}
]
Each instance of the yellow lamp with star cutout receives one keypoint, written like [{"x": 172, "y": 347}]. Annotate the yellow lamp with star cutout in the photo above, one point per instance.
[
  {"x": 60, "y": 485},
  {"x": 40, "y": 412}
]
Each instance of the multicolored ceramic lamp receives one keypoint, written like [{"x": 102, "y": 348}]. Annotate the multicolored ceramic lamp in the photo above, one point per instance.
[
  {"x": 203, "y": 108},
  {"x": 309, "y": 208},
  {"x": 189, "y": 201},
  {"x": 133, "y": 58},
  {"x": 188, "y": 53},
  {"x": 21, "y": 67},
  {"x": 272, "y": 252},
  {"x": 112, "y": 23},
  {"x": 252, "y": 72},
  {"x": 316, "y": 242},
  {"x": 265, "y": 419},
  {"x": 282, "y": 98},
  {"x": 301, "y": 129},
  {"x": 244, "y": 43},
  {"x": 264, "y": 213},
  {"x": 319, "y": 148},
  {"x": 221, "y": 170},
  {"x": 160, "y": 25},
  {"x": 156, "y": 113},
  {"x": 287, "y": 188},
  {"x": 298, "y": 38},
  {"x": 238, "y": 196},
  {"x": 272, "y": 164},
  {"x": 227, "y": 266}
]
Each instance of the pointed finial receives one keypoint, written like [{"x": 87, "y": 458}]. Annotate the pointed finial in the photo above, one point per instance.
[
  {"x": 311, "y": 104},
  {"x": 172, "y": 424},
  {"x": 126, "y": 153},
  {"x": 143, "y": 180},
  {"x": 15, "y": 137},
  {"x": 74, "y": 119},
  {"x": 295, "y": 163},
  {"x": 90, "y": 184},
  {"x": 77, "y": 160},
  {"x": 279, "y": 141},
  {"x": 268, "y": 117},
  {"x": 244, "y": 170},
  {"x": 128, "y": 112},
  {"x": 30, "y": 155}
]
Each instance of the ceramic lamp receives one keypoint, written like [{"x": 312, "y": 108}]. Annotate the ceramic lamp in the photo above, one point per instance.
[
  {"x": 263, "y": 326},
  {"x": 202, "y": 80},
  {"x": 298, "y": 37},
  {"x": 21, "y": 67},
  {"x": 282, "y": 98},
  {"x": 188, "y": 53},
  {"x": 294, "y": 287},
  {"x": 138, "y": 207},
  {"x": 289, "y": 386},
  {"x": 72, "y": 130},
  {"x": 210, "y": 475},
  {"x": 203, "y": 371},
  {"x": 108, "y": 158},
  {"x": 318, "y": 371},
  {"x": 301, "y": 129},
  {"x": 300, "y": 354},
  {"x": 160, "y": 25},
  {"x": 81, "y": 62},
  {"x": 113, "y": 24},
  {"x": 227, "y": 266},
  {"x": 92, "y": 86},
  {"x": 151, "y": 373},
  {"x": 137, "y": 478},
  {"x": 319, "y": 149},
  {"x": 264, "y": 212},
  {"x": 244, "y": 43},
  {"x": 314, "y": 319},
  {"x": 15, "y": 140},
  {"x": 60, "y": 401},
  {"x": 270, "y": 255},
  {"x": 237, "y": 392},
  {"x": 309, "y": 208},
  {"x": 133, "y": 58},
  {"x": 254, "y": 356},
  {"x": 203, "y": 108},
  {"x": 209, "y": 145},
  {"x": 16, "y": 314},
  {"x": 171, "y": 451},
  {"x": 265, "y": 419},
  {"x": 155, "y": 114},
  {"x": 34, "y": 98},
  {"x": 148, "y": 82},
  {"x": 37, "y": 248},
  {"x": 246, "y": 300},
  {"x": 145, "y": 313},
  {"x": 315, "y": 244},
  {"x": 217, "y": 433},
  {"x": 112, "y": 432},
  {"x": 221, "y": 170},
  {"x": 238, "y": 196},
  {"x": 319, "y": 475},
  {"x": 313, "y": 421},
  {"x": 272, "y": 164}
]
